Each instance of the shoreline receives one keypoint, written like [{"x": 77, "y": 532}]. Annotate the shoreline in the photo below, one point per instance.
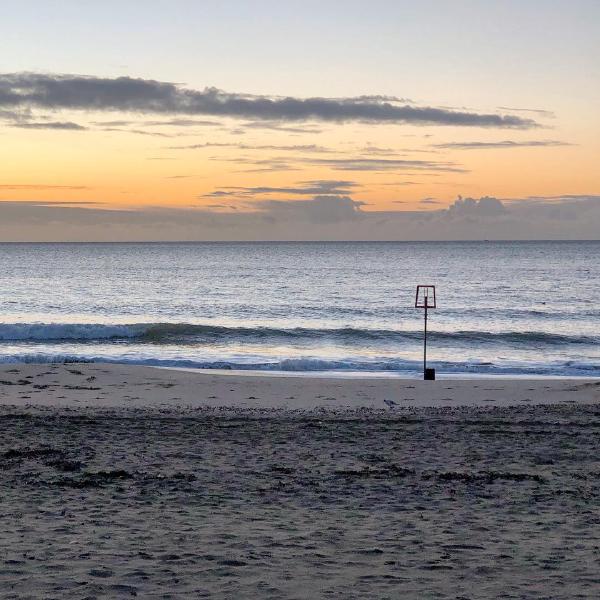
[
  {"x": 369, "y": 375},
  {"x": 117, "y": 385}
]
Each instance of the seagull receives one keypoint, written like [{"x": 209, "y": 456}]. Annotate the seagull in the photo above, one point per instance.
[{"x": 390, "y": 403}]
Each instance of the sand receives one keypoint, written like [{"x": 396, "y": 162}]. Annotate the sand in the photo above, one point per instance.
[
  {"x": 119, "y": 386},
  {"x": 122, "y": 481}
]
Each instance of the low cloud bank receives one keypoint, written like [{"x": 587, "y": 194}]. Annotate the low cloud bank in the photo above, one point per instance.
[{"x": 321, "y": 217}]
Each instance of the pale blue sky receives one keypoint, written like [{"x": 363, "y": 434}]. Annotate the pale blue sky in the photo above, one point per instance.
[{"x": 461, "y": 52}]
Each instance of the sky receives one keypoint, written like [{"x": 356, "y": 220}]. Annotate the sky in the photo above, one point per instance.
[{"x": 262, "y": 120}]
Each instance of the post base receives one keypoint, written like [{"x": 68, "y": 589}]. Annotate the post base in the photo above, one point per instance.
[{"x": 429, "y": 375}]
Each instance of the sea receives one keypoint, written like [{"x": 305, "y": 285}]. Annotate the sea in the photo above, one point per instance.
[{"x": 503, "y": 308}]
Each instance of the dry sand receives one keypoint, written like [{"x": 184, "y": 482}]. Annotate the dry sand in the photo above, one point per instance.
[{"x": 120, "y": 481}]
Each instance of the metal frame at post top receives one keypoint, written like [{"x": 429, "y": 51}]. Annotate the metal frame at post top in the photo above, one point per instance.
[{"x": 425, "y": 299}]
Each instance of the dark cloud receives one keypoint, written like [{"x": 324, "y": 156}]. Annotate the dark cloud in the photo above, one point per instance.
[
  {"x": 74, "y": 92},
  {"x": 16, "y": 115},
  {"x": 429, "y": 201},
  {"x": 65, "y": 125},
  {"x": 502, "y": 144}
]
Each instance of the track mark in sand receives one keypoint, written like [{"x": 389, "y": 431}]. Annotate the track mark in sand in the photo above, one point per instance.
[
  {"x": 463, "y": 547},
  {"x": 583, "y": 386},
  {"x": 436, "y": 567},
  {"x": 81, "y": 387}
]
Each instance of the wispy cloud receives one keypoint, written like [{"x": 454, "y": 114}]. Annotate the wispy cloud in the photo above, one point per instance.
[
  {"x": 40, "y": 186},
  {"x": 64, "y": 125},
  {"x": 501, "y": 144},
  {"x": 304, "y": 188},
  {"x": 538, "y": 111},
  {"x": 271, "y": 147},
  {"x": 161, "y": 123},
  {"x": 280, "y": 126},
  {"x": 381, "y": 164},
  {"x": 345, "y": 164},
  {"x": 89, "y": 93},
  {"x": 140, "y": 132}
]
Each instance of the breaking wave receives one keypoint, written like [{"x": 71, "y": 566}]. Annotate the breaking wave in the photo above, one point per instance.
[
  {"x": 182, "y": 333},
  {"x": 567, "y": 368}
]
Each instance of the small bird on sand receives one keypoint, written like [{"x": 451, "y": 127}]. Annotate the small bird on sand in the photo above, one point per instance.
[{"x": 390, "y": 403}]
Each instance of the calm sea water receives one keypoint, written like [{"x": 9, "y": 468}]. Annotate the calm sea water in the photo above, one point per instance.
[{"x": 522, "y": 308}]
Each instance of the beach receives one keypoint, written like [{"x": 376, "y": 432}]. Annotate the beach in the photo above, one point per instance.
[{"x": 124, "y": 481}]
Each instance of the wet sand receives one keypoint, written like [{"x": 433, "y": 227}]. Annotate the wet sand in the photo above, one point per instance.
[{"x": 122, "y": 481}]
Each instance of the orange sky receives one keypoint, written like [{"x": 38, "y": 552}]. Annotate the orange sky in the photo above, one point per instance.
[
  {"x": 122, "y": 168},
  {"x": 534, "y": 63}
]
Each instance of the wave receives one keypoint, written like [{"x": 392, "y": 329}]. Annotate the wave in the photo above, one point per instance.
[
  {"x": 407, "y": 367},
  {"x": 185, "y": 333},
  {"x": 14, "y": 332}
]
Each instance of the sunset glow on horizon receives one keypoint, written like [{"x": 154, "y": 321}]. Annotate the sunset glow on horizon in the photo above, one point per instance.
[{"x": 409, "y": 117}]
